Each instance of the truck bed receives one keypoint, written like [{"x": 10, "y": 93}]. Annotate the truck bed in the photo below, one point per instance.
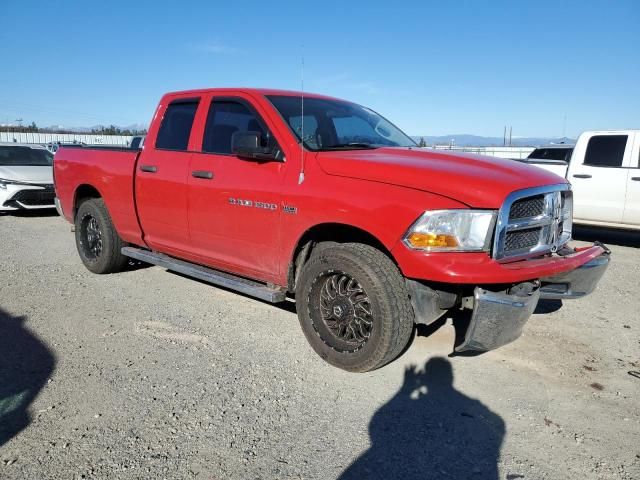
[{"x": 111, "y": 169}]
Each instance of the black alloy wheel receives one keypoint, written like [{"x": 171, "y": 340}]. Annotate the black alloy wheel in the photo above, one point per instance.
[
  {"x": 347, "y": 319},
  {"x": 91, "y": 236}
]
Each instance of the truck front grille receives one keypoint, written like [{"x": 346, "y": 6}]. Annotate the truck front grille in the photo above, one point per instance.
[
  {"x": 527, "y": 207},
  {"x": 522, "y": 239},
  {"x": 533, "y": 222}
]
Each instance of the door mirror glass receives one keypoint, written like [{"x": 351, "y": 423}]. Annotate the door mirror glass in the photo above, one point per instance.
[{"x": 247, "y": 145}]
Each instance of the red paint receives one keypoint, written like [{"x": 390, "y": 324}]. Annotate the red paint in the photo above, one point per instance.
[{"x": 380, "y": 191}]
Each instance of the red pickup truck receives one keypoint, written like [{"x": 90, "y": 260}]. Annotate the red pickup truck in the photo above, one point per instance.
[{"x": 276, "y": 195}]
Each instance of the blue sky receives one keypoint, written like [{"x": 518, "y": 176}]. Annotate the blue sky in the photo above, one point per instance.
[{"x": 432, "y": 67}]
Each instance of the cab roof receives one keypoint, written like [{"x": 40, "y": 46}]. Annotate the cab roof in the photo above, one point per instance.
[{"x": 258, "y": 91}]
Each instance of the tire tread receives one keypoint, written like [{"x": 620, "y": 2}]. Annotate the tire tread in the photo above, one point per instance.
[
  {"x": 113, "y": 261},
  {"x": 389, "y": 284}
]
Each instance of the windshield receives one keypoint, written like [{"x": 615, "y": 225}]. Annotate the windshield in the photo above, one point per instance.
[
  {"x": 338, "y": 125},
  {"x": 24, "y": 156}
]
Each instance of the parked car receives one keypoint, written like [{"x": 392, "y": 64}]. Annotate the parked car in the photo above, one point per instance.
[
  {"x": 26, "y": 177},
  {"x": 337, "y": 208},
  {"x": 137, "y": 141},
  {"x": 604, "y": 172},
  {"x": 54, "y": 146}
]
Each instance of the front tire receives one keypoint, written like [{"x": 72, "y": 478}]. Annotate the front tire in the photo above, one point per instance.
[
  {"x": 97, "y": 241},
  {"x": 354, "y": 307}
]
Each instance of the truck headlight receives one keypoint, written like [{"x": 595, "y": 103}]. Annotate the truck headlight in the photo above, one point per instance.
[{"x": 452, "y": 230}]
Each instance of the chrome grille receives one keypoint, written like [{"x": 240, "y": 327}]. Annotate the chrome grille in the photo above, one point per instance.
[
  {"x": 533, "y": 222},
  {"x": 527, "y": 207},
  {"x": 522, "y": 239}
]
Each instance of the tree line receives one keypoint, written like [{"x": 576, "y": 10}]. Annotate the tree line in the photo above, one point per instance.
[{"x": 99, "y": 130}]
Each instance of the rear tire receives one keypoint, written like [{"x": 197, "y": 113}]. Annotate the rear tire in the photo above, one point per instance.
[
  {"x": 354, "y": 307},
  {"x": 97, "y": 241}
]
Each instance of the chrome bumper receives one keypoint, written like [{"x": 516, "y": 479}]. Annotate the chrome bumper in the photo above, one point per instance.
[
  {"x": 58, "y": 206},
  {"x": 499, "y": 317},
  {"x": 576, "y": 283}
]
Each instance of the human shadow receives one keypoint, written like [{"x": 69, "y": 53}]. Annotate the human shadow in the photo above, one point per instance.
[
  {"x": 25, "y": 365},
  {"x": 430, "y": 430}
]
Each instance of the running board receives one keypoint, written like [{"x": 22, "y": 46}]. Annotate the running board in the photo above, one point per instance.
[{"x": 209, "y": 275}]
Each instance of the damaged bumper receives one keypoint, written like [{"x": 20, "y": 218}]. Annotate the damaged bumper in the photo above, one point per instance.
[
  {"x": 499, "y": 317},
  {"x": 576, "y": 283}
]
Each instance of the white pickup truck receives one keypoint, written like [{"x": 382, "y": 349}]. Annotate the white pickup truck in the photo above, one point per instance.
[{"x": 604, "y": 171}]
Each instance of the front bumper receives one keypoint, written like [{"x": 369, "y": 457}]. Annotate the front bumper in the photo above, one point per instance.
[
  {"x": 499, "y": 317},
  {"x": 500, "y": 313},
  {"x": 469, "y": 268},
  {"x": 576, "y": 283},
  {"x": 26, "y": 196}
]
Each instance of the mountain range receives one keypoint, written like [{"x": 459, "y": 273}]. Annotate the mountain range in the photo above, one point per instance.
[{"x": 466, "y": 140}]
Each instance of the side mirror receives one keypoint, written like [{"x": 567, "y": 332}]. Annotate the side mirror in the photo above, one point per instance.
[{"x": 247, "y": 145}]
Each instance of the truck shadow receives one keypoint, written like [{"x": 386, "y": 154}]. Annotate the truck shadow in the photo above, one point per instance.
[
  {"x": 547, "y": 306},
  {"x": 608, "y": 236},
  {"x": 430, "y": 430},
  {"x": 461, "y": 319},
  {"x": 25, "y": 365},
  {"x": 289, "y": 305}
]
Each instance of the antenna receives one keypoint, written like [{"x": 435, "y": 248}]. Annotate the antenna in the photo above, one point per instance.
[{"x": 301, "y": 176}]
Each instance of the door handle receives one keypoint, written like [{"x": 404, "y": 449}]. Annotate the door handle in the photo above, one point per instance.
[
  {"x": 149, "y": 168},
  {"x": 582, "y": 175},
  {"x": 202, "y": 174},
  {"x": 635, "y": 179}
]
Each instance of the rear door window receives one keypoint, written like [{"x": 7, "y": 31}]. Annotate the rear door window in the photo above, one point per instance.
[
  {"x": 176, "y": 125},
  {"x": 606, "y": 150}
]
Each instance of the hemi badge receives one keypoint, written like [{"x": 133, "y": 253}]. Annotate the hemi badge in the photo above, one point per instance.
[{"x": 289, "y": 209}]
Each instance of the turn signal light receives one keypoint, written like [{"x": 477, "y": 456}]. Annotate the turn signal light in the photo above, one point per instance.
[{"x": 424, "y": 240}]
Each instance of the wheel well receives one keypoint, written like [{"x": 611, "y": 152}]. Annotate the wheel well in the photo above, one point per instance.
[
  {"x": 84, "y": 192},
  {"x": 328, "y": 232}
]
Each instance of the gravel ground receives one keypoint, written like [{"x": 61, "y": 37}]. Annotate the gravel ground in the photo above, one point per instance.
[{"x": 147, "y": 374}]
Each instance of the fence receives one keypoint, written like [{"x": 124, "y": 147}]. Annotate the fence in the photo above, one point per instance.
[
  {"x": 90, "y": 139},
  {"x": 502, "y": 152},
  {"x": 44, "y": 138}
]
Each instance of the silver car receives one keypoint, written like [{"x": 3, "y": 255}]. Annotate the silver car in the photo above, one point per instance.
[{"x": 26, "y": 177}]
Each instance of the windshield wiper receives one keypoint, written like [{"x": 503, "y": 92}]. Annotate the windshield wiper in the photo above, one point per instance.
[{"x": 352, "y": 145}]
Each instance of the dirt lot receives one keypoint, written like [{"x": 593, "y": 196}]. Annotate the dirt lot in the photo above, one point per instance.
[{"x": 147, "y": 374}]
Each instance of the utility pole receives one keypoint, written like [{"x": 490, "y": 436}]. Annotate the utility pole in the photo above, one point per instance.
[{"x": 510, "y": 131}]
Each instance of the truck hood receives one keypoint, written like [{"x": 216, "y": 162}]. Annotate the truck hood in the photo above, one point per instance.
[
  {"x": 27, "y": 174},
  {"x": 477, "y": 181}
]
